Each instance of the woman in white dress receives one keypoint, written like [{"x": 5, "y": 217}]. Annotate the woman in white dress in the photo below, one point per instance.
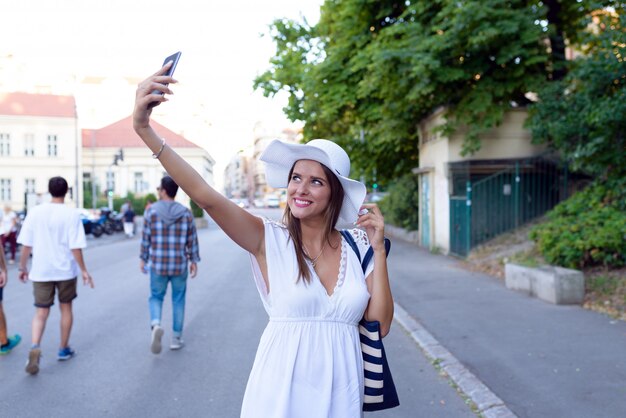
[{"x": 311, "y": 283}]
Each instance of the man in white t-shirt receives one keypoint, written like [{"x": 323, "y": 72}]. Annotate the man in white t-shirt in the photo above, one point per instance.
[{"x": 56, "y": 234}]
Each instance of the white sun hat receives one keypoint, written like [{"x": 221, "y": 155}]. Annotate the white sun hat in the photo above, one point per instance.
[{"x": 279, "y": 157}]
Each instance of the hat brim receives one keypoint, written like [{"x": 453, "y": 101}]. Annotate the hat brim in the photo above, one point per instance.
[{"x": 279, "y": 157}]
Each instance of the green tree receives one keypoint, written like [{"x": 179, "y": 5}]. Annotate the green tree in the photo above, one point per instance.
[
  {"x": 583, "y": 116},
  {"x": 196, "y": 210},
  {"x": 401, "y": 204},
  {"x": 370, "y": 70}
]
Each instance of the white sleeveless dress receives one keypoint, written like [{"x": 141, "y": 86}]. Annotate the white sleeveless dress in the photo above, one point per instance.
[{"x": 308, "y": 363}]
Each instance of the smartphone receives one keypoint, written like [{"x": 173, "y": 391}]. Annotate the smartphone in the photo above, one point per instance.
[{"x": 174, "y": 57}]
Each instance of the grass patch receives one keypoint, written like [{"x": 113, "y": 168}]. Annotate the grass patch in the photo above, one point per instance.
[
  {"x": 528, "y": 258},
  {"x": 605, "y": 289}
]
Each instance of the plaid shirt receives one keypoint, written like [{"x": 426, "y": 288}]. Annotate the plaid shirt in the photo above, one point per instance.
[{"x": 169, "y": 248}]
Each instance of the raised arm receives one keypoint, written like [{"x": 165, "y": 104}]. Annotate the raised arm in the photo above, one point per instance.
[{"x": 241, "y": 226}]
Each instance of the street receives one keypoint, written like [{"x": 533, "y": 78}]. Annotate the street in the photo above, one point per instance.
[{"x": 115, "y": 375}]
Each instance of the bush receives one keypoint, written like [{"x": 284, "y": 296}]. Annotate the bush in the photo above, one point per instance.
[
  {"x": 195, "y": 209},
  {"x": 401, "y": 205},
  {"x": 137, "y": 203},
  {"x": 588, "y": 229}
]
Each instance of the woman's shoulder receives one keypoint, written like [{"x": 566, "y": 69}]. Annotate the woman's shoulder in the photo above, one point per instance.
[
  {"x": 273, "y": 223},
  {"x": 359, "y": 236}
]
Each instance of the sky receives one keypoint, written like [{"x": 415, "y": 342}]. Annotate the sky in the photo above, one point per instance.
[{"x": 61, "y": 43}]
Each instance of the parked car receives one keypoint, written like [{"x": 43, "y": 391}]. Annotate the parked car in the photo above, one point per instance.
[
  {"x": 242, "y": 203},
  {"x": 272, "y": 202}
]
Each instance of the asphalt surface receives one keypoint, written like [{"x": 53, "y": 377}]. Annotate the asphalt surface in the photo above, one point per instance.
[
  {"x": 539, "y": 359},
  {"x": 455, "y": 331},
  {"x": 115, "y": 375}
]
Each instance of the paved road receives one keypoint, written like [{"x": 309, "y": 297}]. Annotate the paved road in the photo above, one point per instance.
[
  {"x": 115, "y": 375},
  {"x": 542, "y": 360}
]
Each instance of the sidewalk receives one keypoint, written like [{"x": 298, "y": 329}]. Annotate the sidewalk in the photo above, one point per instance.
[{"x": 513, "y": 355}]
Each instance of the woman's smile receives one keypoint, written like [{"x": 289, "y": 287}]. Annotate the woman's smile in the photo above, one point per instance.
[{"x": 302, "y": 203}]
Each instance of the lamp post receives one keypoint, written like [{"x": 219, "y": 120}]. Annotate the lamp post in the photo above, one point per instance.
[
  {"x": 94, "y": 197},
  {"x": 78, "y": 194},
  {"x": 110, "y": 186},
  {"x": 116, "y": 158}
]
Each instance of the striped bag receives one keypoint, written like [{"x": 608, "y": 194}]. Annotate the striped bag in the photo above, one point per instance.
[{"x": 380, "y": 391}]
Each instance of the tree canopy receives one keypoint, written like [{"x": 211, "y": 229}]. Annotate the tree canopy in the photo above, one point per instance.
[
  {"x": 584, "y": 115},
  {"x": 370, "y": 70}
]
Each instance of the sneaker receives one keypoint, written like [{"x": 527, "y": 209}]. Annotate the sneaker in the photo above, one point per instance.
[
  {"x": 32, "y": 365},
  {"x": 177, "y": 343},
  {"x": 65, "y": 354},
  {"x": 12, "y": 342},
  {"x": 157, "y": 334}
]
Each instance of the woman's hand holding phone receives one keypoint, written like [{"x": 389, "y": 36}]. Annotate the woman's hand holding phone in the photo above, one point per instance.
[
  {"x": 169, "y": 72},
  {"x": 151, "y": 92}
]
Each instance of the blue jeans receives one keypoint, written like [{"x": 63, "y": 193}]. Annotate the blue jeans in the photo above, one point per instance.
[{"x": 158, "y": 288}]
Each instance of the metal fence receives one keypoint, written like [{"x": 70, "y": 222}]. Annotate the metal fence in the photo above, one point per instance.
[{"x": 504, "y": 200}]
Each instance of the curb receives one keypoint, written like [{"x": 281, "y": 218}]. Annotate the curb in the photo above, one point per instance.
[{"x": 488, "y": 404}]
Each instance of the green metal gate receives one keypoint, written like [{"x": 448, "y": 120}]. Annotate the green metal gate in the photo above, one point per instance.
[{"x": 498, "y": 202}]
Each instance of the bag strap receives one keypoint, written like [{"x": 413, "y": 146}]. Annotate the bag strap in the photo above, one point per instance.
[{"x": 370, "y": 252}]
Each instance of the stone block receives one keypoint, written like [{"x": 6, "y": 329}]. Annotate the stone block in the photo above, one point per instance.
[{"x": 553, "y": 284}]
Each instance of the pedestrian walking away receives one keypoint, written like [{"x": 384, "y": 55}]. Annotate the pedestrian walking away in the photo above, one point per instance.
[
  {"x": 129, "y": 221},
  {"x": 309, "y": 361},
  {"x": 7, "y": 343},
  {"x": 125, "y": 206},
  {"x": 53, "y": 233},
  {"x": 8, "y": 231},
  {"x": 169, "y": 243}
]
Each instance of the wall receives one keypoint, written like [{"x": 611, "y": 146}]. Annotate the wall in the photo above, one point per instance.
[
  {"x": 40, "y": 167},
  {"x": 99, "y": 160},
  {"x": 509, "y": 140}
]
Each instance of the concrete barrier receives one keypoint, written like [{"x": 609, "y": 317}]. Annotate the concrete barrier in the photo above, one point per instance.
[{"x": 553, "y": 284}]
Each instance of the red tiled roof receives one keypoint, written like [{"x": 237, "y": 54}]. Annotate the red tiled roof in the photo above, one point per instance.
[
  {"x": 27, "y": 104},
  {"x": 121, "y": 135}
]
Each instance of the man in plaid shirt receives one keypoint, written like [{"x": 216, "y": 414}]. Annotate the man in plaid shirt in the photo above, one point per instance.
[{"x": 168, "y": 244}]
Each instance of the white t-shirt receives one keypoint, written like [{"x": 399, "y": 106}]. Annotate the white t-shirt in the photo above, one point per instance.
[
  {"x": 53, "y": 230},
  {"x": 6, "y": 222}
]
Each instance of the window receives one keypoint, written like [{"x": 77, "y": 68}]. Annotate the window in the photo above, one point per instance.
[
  {"x": 29, "y": 185},
  {"x": 52, "y": 146},
  {"x": 5, "y": 145},
  {"x": 110, "y": 180},
  {"x": 29, "y": 145},
  {"x": 139, "y": 183},
  {"x": 5, "y": 190}
]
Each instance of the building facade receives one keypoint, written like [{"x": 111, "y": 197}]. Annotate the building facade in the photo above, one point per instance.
[
  {"x": 262, "y": 138},
  {"x": 238, "y": 182},
  {"x": 441, "y": 164},
  {"x": 39, "y": 139},
  {"x": 137, "y": 172}
]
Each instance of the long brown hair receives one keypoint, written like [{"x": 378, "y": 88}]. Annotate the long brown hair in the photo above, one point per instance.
[{"x": 330, "y": 219}]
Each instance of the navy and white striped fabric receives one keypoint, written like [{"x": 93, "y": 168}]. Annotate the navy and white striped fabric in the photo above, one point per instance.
[
  {"x": 380, "y": 391},
  {"x": 372, "y": 349}
]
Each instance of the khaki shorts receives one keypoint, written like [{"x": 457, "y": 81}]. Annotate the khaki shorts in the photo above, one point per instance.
[{"x": 44, "y": 292}]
